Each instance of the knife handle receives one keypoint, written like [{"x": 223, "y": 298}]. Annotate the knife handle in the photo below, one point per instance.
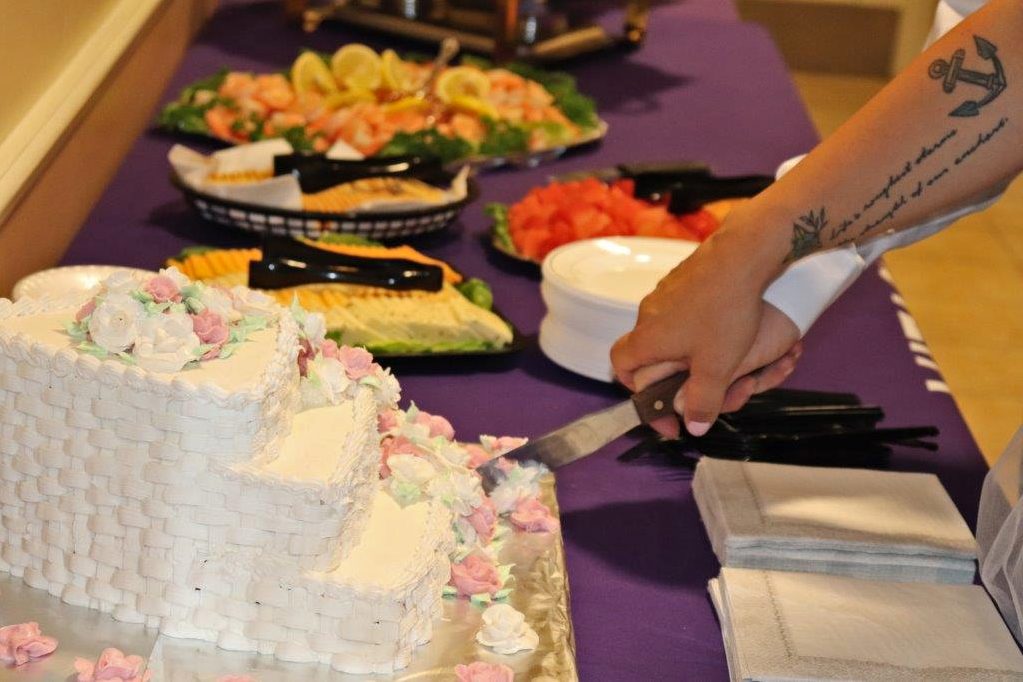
[{"x": 657, "y": 400}]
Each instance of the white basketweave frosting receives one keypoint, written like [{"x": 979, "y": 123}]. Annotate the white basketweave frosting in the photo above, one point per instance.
[{"x": 206, "y": 504}]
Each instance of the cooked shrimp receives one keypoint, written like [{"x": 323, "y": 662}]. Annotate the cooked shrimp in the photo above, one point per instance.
[
  {"x": 238, "y": 85},
  {"x": 220, "y": 120}
]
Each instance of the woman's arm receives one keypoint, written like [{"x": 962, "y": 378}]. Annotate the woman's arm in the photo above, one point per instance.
[
  {"x": 916, "y": 150},
  {"x": 943, "y": 133}
]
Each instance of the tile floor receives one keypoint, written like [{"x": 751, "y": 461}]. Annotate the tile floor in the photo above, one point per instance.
[{"x": 963, "y": 286}]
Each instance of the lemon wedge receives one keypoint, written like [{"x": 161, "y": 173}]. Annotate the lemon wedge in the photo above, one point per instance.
[
  {"x": 396, "y": 74},
  {"x": 462, "y": 81},
  {"x": 336, "y": 100},
  {"x": 356, "y": 67},
  {"x": 411, "y": 103},
  {"x": 309, "y": 73},
  {"x": 473, "y": 105}
]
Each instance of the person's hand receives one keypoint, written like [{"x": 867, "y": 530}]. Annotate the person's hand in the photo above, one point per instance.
[{"x": 708, "y": 316}]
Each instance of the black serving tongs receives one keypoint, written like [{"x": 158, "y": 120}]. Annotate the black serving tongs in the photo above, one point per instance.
[
  {"x": 287, "y": 262},
  {"x": 686, "y": 185},
  {"x": 315, "y": 172}
]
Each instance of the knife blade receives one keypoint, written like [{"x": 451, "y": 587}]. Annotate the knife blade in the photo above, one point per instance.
[{"x": 586, "y": 435}]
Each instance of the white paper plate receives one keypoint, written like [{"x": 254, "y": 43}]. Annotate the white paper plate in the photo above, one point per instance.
[
  {"x": 614, "y": 271},
  {"x": 66, "y": 280},
  {"x": 592, "y": 290}
]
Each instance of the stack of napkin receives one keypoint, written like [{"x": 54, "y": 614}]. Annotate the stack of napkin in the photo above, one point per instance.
[
  {"x": 806, "y": 626},
  {"x": 855, "y": 522}
]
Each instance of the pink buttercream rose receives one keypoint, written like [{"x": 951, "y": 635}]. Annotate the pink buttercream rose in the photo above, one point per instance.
[
  {"x": 483, "y": 519},
  {"x": 112, "y": 665},
  {"x": 484, "y": 672},
  {"x": 395, "y": 446},
  {"x": 23, "y": 642},
  {"x": 477, "y": 455},
  {"x": 305, "y": 354},
  {"x": 387, "y": 420},
  {"x": 85, "y": 310},
  {"x": 162, "y": 288},
  {"x": 329, "y": 348},
  {"x": 438, "y": 425},
  {"x": 212, "y": 330},
  {"x": 533, "y": 516},
  {"x": 476, "y": 574},
  {"x": 358, "y": 362}
]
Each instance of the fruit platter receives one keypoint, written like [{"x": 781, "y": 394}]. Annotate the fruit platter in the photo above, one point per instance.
[{"x": 383, "y": 104}]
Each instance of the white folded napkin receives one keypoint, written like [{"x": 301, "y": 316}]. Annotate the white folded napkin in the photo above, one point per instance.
[
  {"x": 870, "y": 524},
  {"x": 283, "y": 191},
  {"x": 780, "y": 626}
]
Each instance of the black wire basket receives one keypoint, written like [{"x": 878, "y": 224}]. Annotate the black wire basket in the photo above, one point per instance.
[{"x": 377, "y": 225}]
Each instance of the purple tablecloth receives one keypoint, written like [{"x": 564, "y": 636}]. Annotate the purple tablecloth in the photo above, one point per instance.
[{"x": 638, "y": 557}]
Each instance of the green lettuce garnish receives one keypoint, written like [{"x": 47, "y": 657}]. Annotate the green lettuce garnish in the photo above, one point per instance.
[
  {"x": 428, "y": 143},
  {"x": 503, "y": 138}
]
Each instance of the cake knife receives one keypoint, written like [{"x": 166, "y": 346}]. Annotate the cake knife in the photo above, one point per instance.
[{"x": 586, "y": 435}]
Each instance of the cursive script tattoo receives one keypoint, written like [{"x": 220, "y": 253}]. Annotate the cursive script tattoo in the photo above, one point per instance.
[{"x": 982, "y": 139}]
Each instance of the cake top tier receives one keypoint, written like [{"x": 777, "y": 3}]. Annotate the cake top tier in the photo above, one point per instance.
[{"x": 162, "y": 331}]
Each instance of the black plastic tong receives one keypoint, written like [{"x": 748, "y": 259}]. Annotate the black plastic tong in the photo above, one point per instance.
[
  {"x": 316, "y": 172},
  {"x": 287, "y": 262}
]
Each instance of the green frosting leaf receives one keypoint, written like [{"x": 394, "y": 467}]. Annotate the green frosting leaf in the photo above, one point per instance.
[{"x": 481, "y": 599}]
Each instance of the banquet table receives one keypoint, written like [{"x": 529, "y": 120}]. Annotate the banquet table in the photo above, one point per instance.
[{"x": 705, "y": 86}]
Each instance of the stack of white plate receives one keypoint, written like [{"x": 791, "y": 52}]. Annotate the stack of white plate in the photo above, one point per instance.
[{"x": 592, "y": 290}]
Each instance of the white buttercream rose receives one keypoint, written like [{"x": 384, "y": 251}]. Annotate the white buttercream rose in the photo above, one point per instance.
[
  {"x": 121, "y": 282},
  {"x": 506, "y": 631},
  {"x": 114, "y": 324},
  {"x": 409, "y": 474},
  {"x": 176, "y": 276},
  {"x": 326, "y": 383},
  {"x": 451, "y": 451},
  {"x": 459, "y": 490},
  {"x": 315, "y": 328},
  {"x": 253, "y": 303},
  {"x": 220, "y": 302},
  {"x": 520, "y": 482},
  {"x": 166, "y": 343}
]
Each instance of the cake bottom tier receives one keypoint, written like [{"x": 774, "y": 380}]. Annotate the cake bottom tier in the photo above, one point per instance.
[{"x": 365, "y": 616}]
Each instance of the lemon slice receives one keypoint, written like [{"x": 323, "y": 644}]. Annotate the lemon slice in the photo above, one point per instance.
[
  {"x": 462, "y": 81},
  {"x": 407, "y": 104},
  {"x": 356, "y": 67},
  {"x": 337, "y": 100},
  {"x": 473, "y": 105},
  {"x": 309, "y": 73},
  {"x": 396, "y": 74}
]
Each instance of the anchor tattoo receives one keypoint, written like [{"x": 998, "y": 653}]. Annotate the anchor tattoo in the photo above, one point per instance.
[{"x": 952, "y": 73}]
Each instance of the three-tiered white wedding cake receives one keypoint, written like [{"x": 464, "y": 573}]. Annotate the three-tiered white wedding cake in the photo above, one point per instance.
[{"x": 231, "y": 499}]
